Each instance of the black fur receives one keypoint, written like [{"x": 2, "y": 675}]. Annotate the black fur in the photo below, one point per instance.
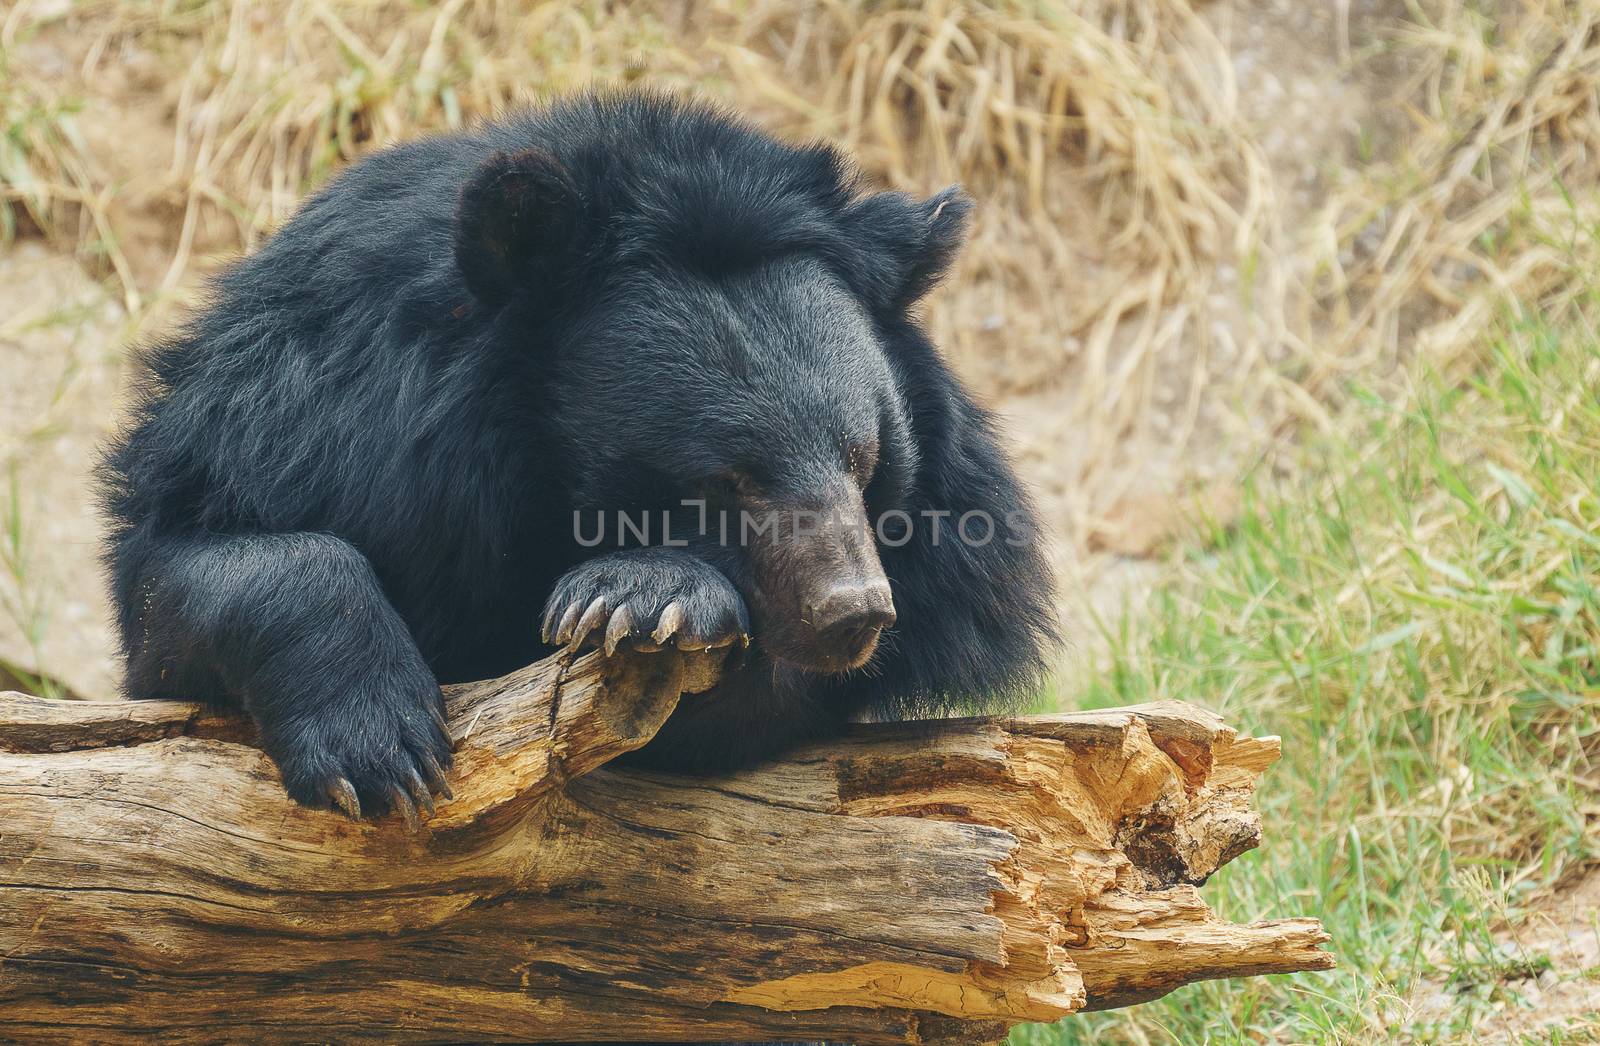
[{"x": 354, "y": 474}]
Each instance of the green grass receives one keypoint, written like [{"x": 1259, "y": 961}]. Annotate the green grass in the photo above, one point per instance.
[{"x": 1419, "y": 619}]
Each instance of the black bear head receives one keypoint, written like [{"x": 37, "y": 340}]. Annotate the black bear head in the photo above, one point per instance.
[{"x": 717, "y": 320}]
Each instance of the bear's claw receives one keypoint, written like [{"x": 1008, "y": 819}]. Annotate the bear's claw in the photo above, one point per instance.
[
  {"x": 569, "y": 621},
  {"x": 420, "y": 793},
  {"x": 668, "y": 624},
  {"x": 591, "y": 620},
  {"x": 436, "y": 779},
  {"x": 645, "y": 600},
  {"x": 620, "y": 628},
  {"x": 342, "y": 794}
]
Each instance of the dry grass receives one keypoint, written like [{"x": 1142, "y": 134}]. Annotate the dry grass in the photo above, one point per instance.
[
  {"x": 1132, "y": 246},
  {"x": 47, "y": 180},
  {"x": 1486, "y": 205},
  {"x": 1103, "y": 139}
]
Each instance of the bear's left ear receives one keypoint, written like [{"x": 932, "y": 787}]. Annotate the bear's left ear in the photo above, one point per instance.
[
  {"x": 908, "y": 243},
  {"x": 516, "y": 224}
]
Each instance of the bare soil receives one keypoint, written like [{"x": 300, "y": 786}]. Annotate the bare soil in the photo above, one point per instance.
[
  {"x": 61, "y": 367},
  {"x": 1550, "y": 990}
]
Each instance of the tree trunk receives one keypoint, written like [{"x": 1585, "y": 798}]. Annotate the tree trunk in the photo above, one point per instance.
[{"x": 908, "y": 883}]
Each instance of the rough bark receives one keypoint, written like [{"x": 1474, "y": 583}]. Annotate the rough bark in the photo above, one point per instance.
[{"x": 910, "y": 883}]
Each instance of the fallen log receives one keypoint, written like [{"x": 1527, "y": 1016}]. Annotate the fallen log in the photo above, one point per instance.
[{"x": 909, "y": 883}]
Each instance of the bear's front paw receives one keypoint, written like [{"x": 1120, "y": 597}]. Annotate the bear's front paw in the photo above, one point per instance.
[
  {"x": 381, "y": 747},
  {"x": 647, "y": 599}
]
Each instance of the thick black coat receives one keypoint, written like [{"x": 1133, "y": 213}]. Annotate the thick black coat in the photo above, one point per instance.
[{"x": 355, "y": 474}]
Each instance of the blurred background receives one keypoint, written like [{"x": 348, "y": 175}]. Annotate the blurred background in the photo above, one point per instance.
[{"x": 1287, "y": 308}]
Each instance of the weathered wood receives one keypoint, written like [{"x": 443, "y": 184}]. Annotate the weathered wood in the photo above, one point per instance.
[{"x": 910, "y": 883}]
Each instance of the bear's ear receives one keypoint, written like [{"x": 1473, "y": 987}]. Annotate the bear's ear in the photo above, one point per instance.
[
  {"x": 516, "y": 222},
  {"x": 909, "y": 243}
]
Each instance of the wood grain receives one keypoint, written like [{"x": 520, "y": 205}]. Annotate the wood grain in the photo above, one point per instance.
[{"x": 908, "y": 883}]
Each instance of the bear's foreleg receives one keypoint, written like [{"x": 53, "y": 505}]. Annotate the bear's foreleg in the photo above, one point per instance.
[{"x": 297, "y": 629}]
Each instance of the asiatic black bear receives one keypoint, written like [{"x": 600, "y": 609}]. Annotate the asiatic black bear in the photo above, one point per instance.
[{"x": 396, "y": 448}]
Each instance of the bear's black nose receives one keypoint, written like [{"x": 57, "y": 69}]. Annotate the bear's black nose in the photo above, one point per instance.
[{"x": 848, "y": 614}]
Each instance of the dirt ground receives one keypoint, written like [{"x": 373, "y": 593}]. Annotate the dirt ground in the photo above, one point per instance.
[
  {"x": 62, "y": 367},
  {"x": 1550, "y": 991}
]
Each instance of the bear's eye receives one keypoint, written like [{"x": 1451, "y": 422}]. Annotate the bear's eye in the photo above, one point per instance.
[{"x": 733, "y": 483}]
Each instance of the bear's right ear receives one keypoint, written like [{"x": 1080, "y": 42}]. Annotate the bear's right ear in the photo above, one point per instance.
[{"x": 516, "y": 220}]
